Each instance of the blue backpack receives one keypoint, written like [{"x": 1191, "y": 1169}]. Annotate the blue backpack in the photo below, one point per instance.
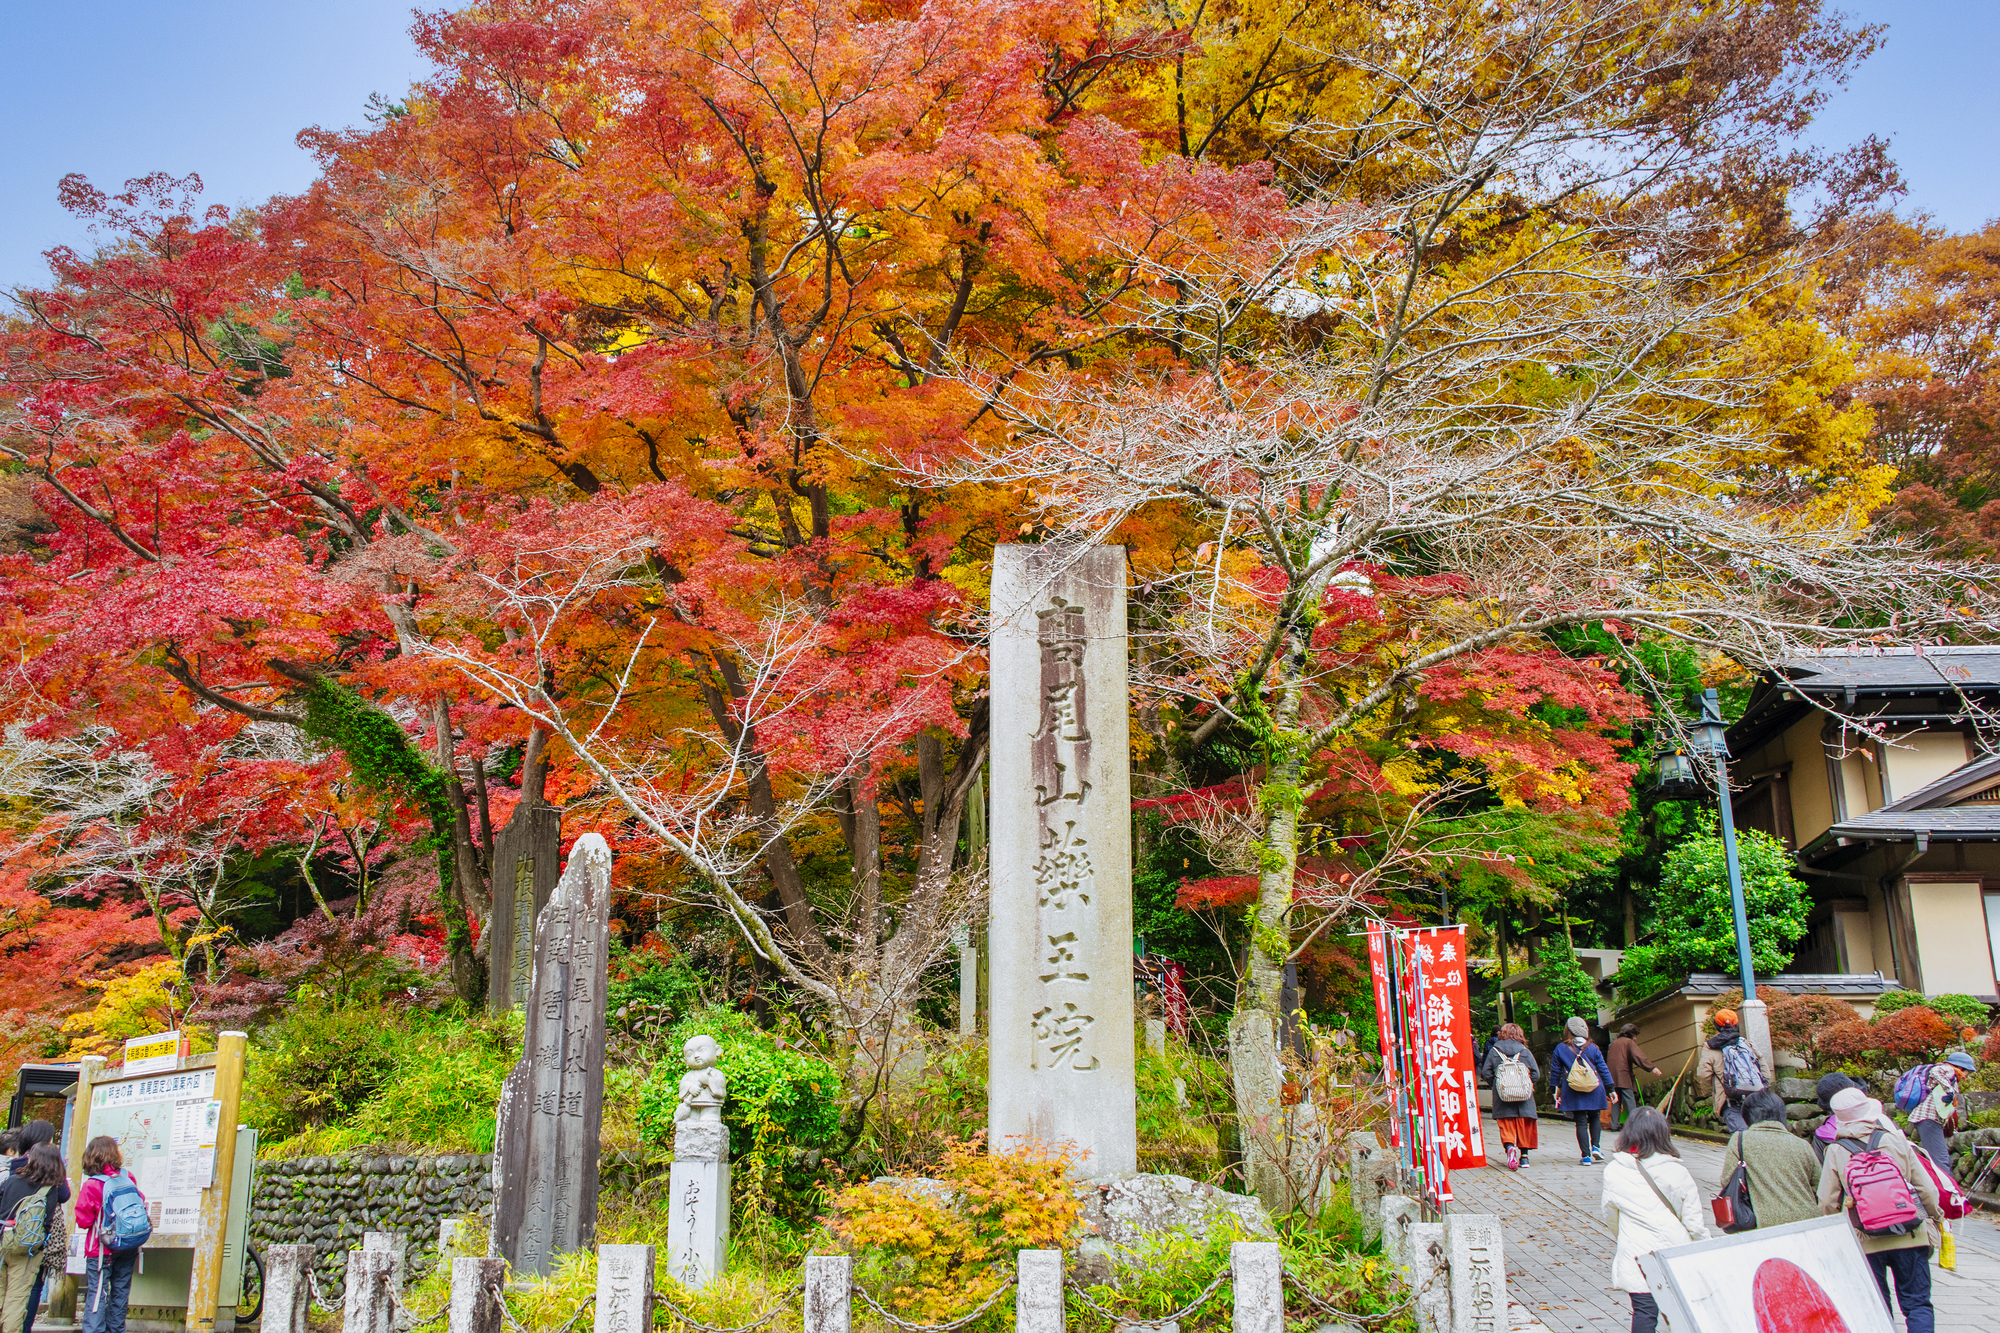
[
  {"x": 122, "y": 1221},
  {"x": 1912, "y": 1088}
]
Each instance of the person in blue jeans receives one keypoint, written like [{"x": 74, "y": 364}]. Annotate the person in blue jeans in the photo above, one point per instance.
[
  {"x": 1581, "y": 1106},
  {"x": 107, "y": 1274}
]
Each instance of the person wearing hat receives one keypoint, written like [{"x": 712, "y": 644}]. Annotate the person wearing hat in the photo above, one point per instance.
[
  {"x": 1857, "y": 1118},
  {"x": 1713, "y": 1071},
  {"x": 1582, "y": 1094},
  {"x": 1937, "y": 1114},
  {"x": 1623, "y": 1055}
]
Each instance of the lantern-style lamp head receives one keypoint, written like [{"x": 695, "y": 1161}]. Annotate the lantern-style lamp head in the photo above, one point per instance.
[{"x": 1683, "y": 768}]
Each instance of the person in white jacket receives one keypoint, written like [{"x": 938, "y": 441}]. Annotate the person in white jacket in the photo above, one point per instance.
[{"x": 1655, "y": 1204}]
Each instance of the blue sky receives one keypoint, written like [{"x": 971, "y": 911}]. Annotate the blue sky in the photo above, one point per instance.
[{"x": 222, "y": 87}]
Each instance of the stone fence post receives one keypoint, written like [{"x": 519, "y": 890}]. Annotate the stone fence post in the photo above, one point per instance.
[
  {"x": 1038, "y": 1291},
  {"x": 829, "y": 1302},
  {"x": 369, "y": 1307},
  {"x": 287, "y": 1287},
  {"x": 475, "y": 1308},
  {"x": 1257, "y": 1269},
  {"x": 624, "y": 1289},
  {"x": 1473, "y": 1248},
  {"x": 396, "y": 1243}
]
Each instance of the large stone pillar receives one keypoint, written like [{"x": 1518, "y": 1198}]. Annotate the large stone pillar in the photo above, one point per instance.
[
  {"x": 525, "y": 858},
  {"x": 545, "y": 1149},
  {"x": 1061, "y": 1034}
]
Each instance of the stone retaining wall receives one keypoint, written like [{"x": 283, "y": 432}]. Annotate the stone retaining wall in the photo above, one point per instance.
[{"x": 327, "y": 1202}]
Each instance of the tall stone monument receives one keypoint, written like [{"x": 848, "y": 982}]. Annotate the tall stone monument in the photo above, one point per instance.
[
  {"x": 1061, "y": 1025},
  {"x": 698, "y": 1184},
  {"x": 545, "y": 1149},
  {"x": 525, "y": 860}
]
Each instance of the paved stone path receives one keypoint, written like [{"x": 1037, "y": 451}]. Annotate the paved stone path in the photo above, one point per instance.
[{"x": 1559, "y": 1249}]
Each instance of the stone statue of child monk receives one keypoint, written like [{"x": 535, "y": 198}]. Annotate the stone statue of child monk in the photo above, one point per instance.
[{"x": 703, "y": 1086}]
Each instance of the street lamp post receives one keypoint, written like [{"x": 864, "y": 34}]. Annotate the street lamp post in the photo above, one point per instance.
[{"x": 1711, "y": 740}]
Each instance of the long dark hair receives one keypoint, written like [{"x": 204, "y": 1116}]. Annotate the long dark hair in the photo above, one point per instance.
[
  {"x": 1646, "y": 1133},
  {"x": 36, "y": 1131},
  {"x": 43, "y": 1167}
]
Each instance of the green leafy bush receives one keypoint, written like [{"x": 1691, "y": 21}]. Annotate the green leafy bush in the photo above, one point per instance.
[
  {"x": 316, "y": 1065},
  {"x": 1961, "y": 1010},
  {"x": 327, "y": 1079},
  {"x": 1694, "y": 926},
  {"x": 1572, "y": 994},
  {"x": 777, "y": 1096}
]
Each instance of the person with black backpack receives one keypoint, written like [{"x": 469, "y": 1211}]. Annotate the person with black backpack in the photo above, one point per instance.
[
  {"x": 111, "y": 1212},
  {"x": 29, "y": 1199},
  {"x": 1731, "y": 1068}
]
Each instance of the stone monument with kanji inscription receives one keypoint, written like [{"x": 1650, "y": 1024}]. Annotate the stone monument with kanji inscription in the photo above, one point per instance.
[
  {"x": 1061, "y": 1038},
  {"x": 545, "y": 1149},
  {"x": 526, "y": 856}
]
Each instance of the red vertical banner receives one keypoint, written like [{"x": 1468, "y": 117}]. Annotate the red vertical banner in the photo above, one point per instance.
[
  {"x": 1379, "y": 944},
  {"x": 1444, "y": 1029}
]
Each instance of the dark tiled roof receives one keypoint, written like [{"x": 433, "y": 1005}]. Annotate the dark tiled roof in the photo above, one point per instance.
[
  {"x": 1896, "y": 668},
  {"x": 1950, "y": 823},
  {"x": 1797, "y": 983}
]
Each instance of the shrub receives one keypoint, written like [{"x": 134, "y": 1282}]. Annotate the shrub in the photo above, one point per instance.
[
  {"x": 1733, "y": 999},
  {"x": 777, "y": 1096},
  {"x": 1694, "y": 926},
  {"x": 317, "y": 1065},
  {"x": 938, "y": 1258},
  {"x": 1797, "y": 1021},
  {"x": 1903, "y": 1037},
  {"x": 1889, "y": 1001},
  {"x": 1960, "y": 1010}
]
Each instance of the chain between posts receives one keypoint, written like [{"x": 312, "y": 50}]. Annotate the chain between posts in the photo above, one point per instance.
[
  {"x": 784, "y": 1298},
  {"x": 318, "y": 1296},
  {"x": 500, "y": 1298},
  {"x": 1160, "y": 1321},
  {"x": 1328, "y": 1308},
  {"x": 960, "y": 1322},
  {"x": 409, "y": 1323}
]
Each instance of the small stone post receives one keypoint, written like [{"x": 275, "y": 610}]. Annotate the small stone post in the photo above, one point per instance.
[
  {"x": 447, "y": 1233},
  {"x": 624, "y": 1289},
  {"x": 396, "y": 1243},
  {"x": 475, "y": 1308},
  {"x": 1371, "y": 1177},
  {"x": 1432, "y": 1284},
  {"x": 1399, "y": 1213},
  {"x": 1472, "y": 1243},
  {"x": 698, "y": 1184},
  {"x": 370, "y": 1306},
  {"x": 1038, "y": 1291},
  {"x": 829, "y": 1293},
  {"x": 1156, "y": 1035},
  {"x": 287, "y": 1289},
  {"x": 1257, "y": 1269}
]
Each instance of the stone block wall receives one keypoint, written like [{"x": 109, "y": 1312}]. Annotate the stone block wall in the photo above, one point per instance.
[{"x": 328, "y": 1202}]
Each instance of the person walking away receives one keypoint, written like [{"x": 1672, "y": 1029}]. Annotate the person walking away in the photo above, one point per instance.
[
  {"x": 1937, "y": 1114},
  {"x": 1653, "y": 1204},
  {"x": 28, "y": 1199},
  {"x": 1511, "y": 1071},
  {"x": 1783, "y": 1169},
  {"x": 1873, "y": 1175},
  {"x": 1624, "y": 1054},
  {"x": 1580, "y": 1077},
  {"x": 107, "y": 1273},
  {"x": 1730, "y": 1066},
  {"x": 56, "y": 1252}
]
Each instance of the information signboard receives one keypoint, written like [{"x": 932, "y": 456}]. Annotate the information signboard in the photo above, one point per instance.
[
  {"x": 165, "y": 1125},
  {"x": 152, "y": 1055}
]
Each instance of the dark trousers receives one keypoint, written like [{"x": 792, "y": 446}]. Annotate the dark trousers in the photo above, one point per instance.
[
  {"x": 107, "y": 1286},
  {"x": 1589, "y": 1130},
  {"x": 1912, "y": 1268},
  {"x": 1732, "y": 1116},
  {"x": 1645, "y": 1313},
  {"x": 34, "y": 1299},
  {"x": 1931, "y": 1134},
  {"x": 1628, "y": 1102}
]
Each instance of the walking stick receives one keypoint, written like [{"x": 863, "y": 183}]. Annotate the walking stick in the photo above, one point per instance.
[{"x": 1678, "y": 1077}]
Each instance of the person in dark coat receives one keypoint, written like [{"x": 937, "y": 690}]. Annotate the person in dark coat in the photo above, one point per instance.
[
  {"x": 1582, "y": 1107},
  {"x": 1515, "y": 1121},
  {"x": 1623, "y": 1056}
]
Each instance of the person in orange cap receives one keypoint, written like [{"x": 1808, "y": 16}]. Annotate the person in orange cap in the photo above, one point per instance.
[{"x": 1731, "y": 1070}]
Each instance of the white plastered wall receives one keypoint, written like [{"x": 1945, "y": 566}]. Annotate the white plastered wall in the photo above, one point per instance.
[
  {"x": 1917, "y": 759},
  {"x": 1951, "y": 935}
]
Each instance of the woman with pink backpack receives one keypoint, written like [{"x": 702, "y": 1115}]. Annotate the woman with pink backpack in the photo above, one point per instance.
[{"x": 1890, "y": 1201}]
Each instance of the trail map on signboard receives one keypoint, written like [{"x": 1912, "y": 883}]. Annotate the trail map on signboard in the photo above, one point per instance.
[{"x": 165, "y": 1125}]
